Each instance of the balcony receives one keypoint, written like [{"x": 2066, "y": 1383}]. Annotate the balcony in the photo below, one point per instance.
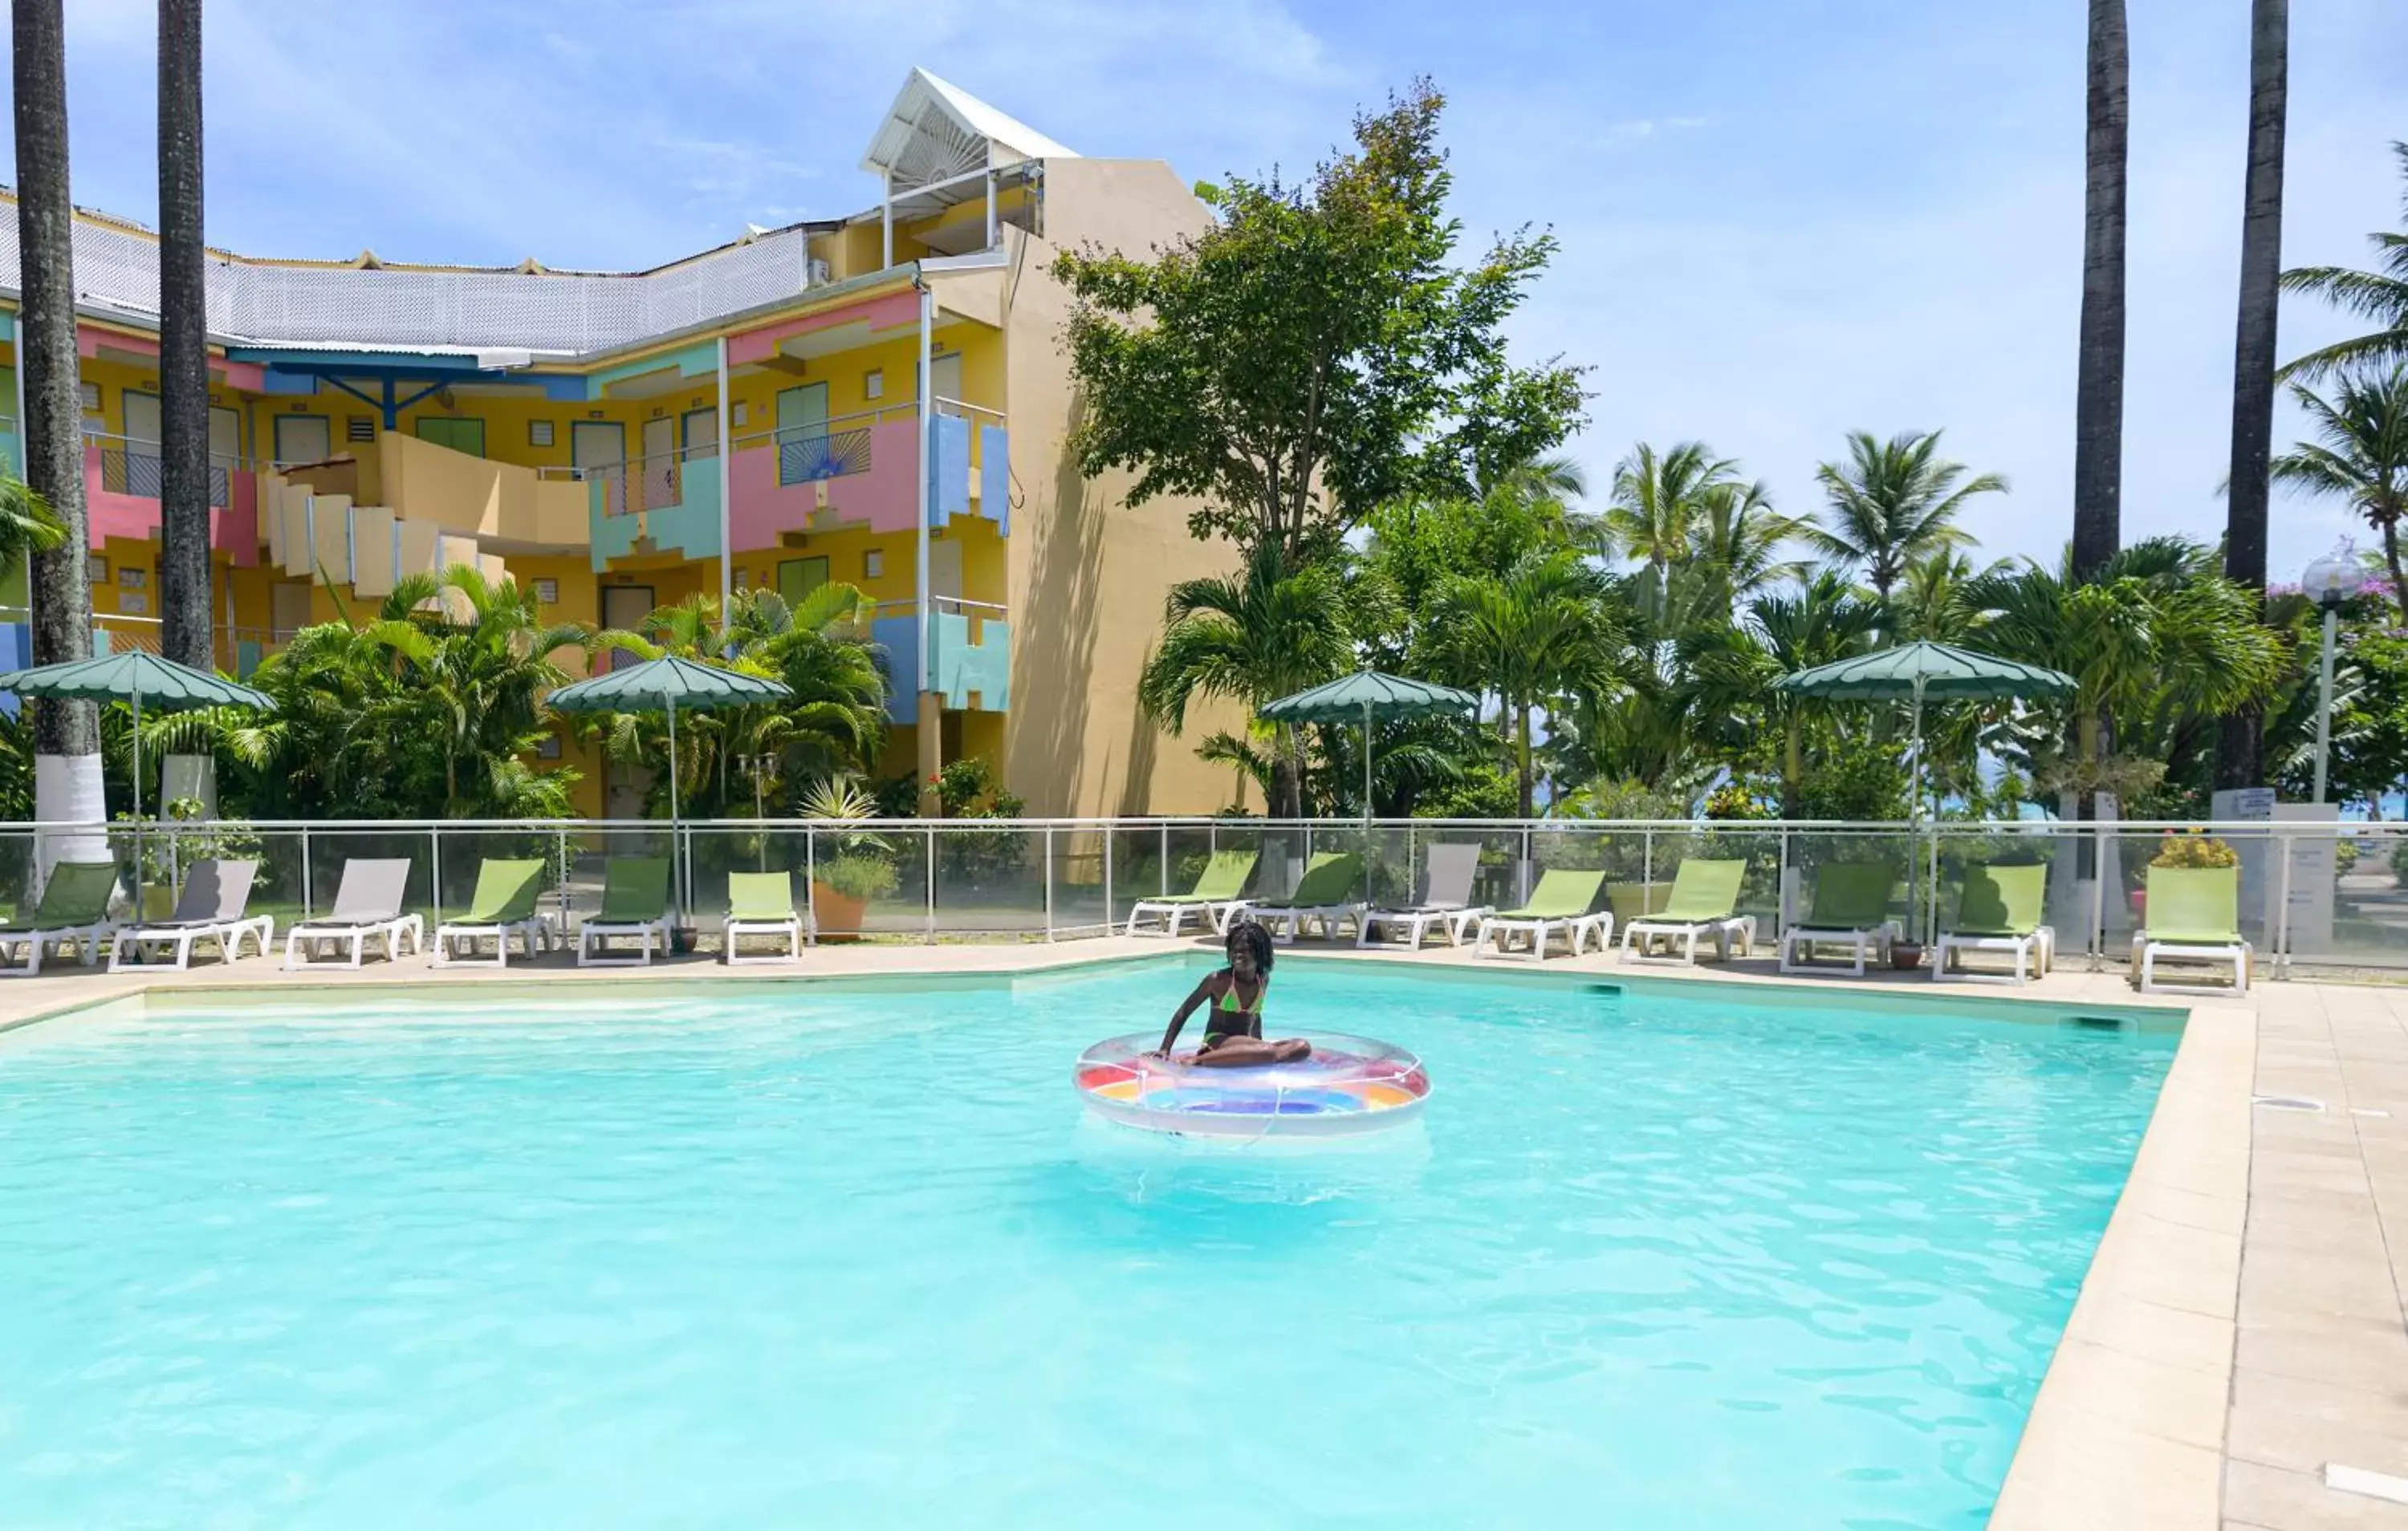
[
  {"x": 855, "y": 470},
  {"x": 972, "y": 640},
  {"x": 665, "y": 503},
  {"x": 123, "y": 482}
]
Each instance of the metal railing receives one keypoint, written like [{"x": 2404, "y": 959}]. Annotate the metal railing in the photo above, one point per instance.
[
  {"x": 132, "y": 466},
  {"x": 2323, "y": 895}
]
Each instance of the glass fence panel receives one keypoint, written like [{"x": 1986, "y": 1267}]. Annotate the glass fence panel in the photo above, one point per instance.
[
  {"x": 1082, "y": 904},
  {"x": 2347, "y": 903},
  {"x": 989, "y": 881}
]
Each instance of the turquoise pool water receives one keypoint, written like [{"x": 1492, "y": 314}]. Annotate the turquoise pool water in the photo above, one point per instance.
[{"x": 711, "y": 1256}]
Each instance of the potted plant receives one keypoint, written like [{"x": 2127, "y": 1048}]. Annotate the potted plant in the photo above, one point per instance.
[{"x": 852, "y": 867}]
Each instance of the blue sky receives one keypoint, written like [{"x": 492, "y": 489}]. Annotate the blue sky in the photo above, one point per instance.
[{"x": 1781, "y": 218}]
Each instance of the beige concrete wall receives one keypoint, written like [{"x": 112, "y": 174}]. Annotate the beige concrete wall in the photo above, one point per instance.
[
  {"x": 1087, "y": 573},
  {"x": 477, "y": 496}
]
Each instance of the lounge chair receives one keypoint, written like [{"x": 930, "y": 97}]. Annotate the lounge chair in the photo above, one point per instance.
[
  {"x": 1445, "y": 901},
  {"x": 1851, "y": 909},
  {"x": 635, "y": 907},
  {"x": 1704, "y": 902},
  {"x": 502, "y": 906},
  {"x": 1560, "y": 904},
  {"x": 368, "y": 904},
  {"x": 1998, "y": 909},
  {"x": 74, "y": 907},
  {"x": 2194, "y": 915},
  {"x": 761, "y": 903},
  {"x": 214, "y": 905},
  {"x": 1323, "y": 896},
  {"x": 1219, "y": 890}
]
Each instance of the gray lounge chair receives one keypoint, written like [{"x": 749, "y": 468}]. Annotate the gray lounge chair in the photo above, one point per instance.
[
  {"x": 368, "y": 906},
  {"x": 1445, "y": 900},
  {"x": 215, "y": 906}
]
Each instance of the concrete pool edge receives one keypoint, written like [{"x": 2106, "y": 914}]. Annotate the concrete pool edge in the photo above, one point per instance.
[{"x": 2128, "y": 1424}]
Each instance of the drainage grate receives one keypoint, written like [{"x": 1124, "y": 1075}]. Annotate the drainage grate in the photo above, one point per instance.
[
  {"x": 1610, "y": 990},
  {"x": 2287, "y": 1103},
  {"x": 2097, "y": 1022}
]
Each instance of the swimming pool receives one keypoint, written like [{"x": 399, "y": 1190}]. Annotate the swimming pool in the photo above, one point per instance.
[{"x": 724, "y": 1254}]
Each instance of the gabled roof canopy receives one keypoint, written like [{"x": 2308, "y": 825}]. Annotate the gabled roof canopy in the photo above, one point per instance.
[{"x": 937, "y": 131}]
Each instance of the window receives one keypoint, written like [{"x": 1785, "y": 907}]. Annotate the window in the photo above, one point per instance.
[
  {"x": 538, "y": 433},
  {"x": 90, "y": 393},
  {"x": 548, "y": 746},
  {"x": 360, "y": 428},
  {"x": 873, "y": 383},
  {"x": 303, "y": 439},
  {"x": 873, "y": 564},
  {"x": 547, "y": 593},
  {"x": 96, "y": 570},
  {"x": 130, "y": 579},
  {"x": 462, "y": 436}
]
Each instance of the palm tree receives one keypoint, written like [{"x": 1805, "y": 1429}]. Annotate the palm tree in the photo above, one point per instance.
[
  {"x": 1657, "y": 499},
  {"x": 1778, "y": 634},
  {"x": 1263, "y": 635},
  {"x": 2240, "y": 749},
  {"x": 26, "y": 522},
  {"x": 2360, "y": 456},
  {"x": 1739, "y": 540},
  {"x": 1894, "y": 503},
  {"x": 1539, "y": 632},
  {"x": 183, "y": 346},
  {"x": 2380, "y": 295},
  {"x": 474, "y": 661},
  {"x": 2098, "y": 384},
  {"x": 53, "y": 424}
]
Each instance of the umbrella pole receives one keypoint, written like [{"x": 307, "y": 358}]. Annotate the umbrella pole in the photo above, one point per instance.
[
  {"x": 1366, "y": 802},
  {"x": 137, "y": 804},
  {"x": 674, "y": 875},
  {"x": 1914, "y": 815}
]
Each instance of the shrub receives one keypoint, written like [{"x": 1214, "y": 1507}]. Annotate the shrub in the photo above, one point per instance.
[{"x": 2194, "y": 850}]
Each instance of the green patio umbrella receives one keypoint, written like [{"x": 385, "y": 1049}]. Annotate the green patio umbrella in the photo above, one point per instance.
[
  {"x": 664, "y": 685},
  {"x": 1362, "y": 697},
  {"x": 136, "y": 677},
  {"x": 1920, "y": 671}
]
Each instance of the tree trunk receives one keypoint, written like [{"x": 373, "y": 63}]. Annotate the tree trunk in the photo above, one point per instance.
[
  {"x": 2391, "y": 562},
  {"x": 68, "y": 732},
  {"x": 1522, "y": 760},
  {"x": 2240, "y": 752},
  {"x": 183, "y": 346},
  {"x": 1287, "y": 781},
  {"x": 2099, "y": 388}
]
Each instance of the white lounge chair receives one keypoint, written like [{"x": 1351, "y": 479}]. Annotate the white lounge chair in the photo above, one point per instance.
[
  {"x": 367, "y": 907},
  {"x": 1563, "y": 904},
  {"x": 1704, "y": 903},
  {"x": 1445, "y": 902},
  {"x": 1851, "y": 909},
  {"x": 761, "y": 903},
  {"x": 2195, "y": 917},
  {"x": 502, "y": 906},
  {"x": 1998, "y": 909},
  {"x": 214, "y": 905},
  {"x": 636, "y": 905},
  {"x": 1319, "y": 898}
]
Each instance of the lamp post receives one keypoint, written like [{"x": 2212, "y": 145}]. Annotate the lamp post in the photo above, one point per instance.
[
  {"x": 760, "y": 767},
  {"x": 2329, "y": 581}
]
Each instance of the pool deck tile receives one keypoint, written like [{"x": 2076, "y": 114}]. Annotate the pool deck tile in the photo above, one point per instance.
[{"x": 2241, "y": 1327}]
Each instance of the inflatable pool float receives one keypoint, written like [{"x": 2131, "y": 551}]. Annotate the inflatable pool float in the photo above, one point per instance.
[{"x": 1350, "y": 1084}]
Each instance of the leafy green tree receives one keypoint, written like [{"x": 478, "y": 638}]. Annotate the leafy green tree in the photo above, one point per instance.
[
  {"x": 1734, "y": 666},
  {"x": 1317, "y": 352},
  {"x": 2360, "y": 456},
  {"x": 2380, "y": 295},
  {"x": 1659, "y": 500},
  {"x": 26, "y": 524},
  {"x": 1539, "y": 632},
  {"x": 1269, "y": 631},
  {"x": 1894, "y": 503},
  {"x": 1740, "y": 543}
]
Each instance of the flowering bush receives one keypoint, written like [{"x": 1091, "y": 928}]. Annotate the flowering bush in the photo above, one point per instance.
[{"x": 2194, "y": 850}]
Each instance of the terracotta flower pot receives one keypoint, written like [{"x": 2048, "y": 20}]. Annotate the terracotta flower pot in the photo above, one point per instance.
[
  {"x": 837, "y": 917},
  {"x": 1906, "y": 956}
]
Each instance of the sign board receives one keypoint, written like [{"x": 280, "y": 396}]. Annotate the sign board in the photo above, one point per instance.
[
  {"x": 2315, "y": 873},
  {"x": 2252, "y": 804}
]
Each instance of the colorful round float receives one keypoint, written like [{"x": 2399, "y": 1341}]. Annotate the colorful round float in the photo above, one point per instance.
[{"x": 1348, "y": 1085}]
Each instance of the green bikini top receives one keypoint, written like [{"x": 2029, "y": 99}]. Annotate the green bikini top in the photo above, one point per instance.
[{"x": 1229, "y": 1005}]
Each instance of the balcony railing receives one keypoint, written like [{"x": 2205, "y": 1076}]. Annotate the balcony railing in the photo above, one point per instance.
[
  {"x": 808, "y": 455},
  {"x": 132, "y": 466}
]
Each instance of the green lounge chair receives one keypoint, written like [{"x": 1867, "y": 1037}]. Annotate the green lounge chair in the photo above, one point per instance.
[
  {"x": 1704, "y": 902},
  {"x": 74, "y": 907},
  {"x": 1324, "y": 895},
  {"x": 503, "y": 905},
  {"x": 2194, "y": 915},
  {"x": 1998, "y": 909},
  {"x": 634, "y": 905},
  {"x": 761, "y": 903},
  {"x": 1220, "y": 888},
  {"x": 1561, "y": 902},
  {"x": 1851, "y": 908}
]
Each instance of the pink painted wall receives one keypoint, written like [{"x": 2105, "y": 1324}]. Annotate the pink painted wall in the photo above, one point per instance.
[
  {"x": 249, "y": 376},
  {"x": 882, "y": 313},
  {"x": 233, "y": 529},
  {"x": 881, "y": 497}
]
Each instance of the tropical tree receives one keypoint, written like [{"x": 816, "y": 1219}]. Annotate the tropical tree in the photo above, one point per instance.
[
  {"x": 833, "y": 726},
  {"x": 1739, "y": 543},
  {"x": 1270, "y": 631},
  {"x": 2239, "y": 752},
  {"x": 1892, "y": 504},
  {"x": 2360, "y": 456},
  {"x": 1659, "y": 500},
  {"x": 2380, "y": 295},
  {"x": 53, "y": 424},
  {"x": 2099, "y": 379},
  {"x": 1539, "y": 632},
  {"x": 1318, "y": 351},
  {"x": 1777, "y": 634},
  {"x": 183, "y": 346},
  {"x": 27, "y": 524}
]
